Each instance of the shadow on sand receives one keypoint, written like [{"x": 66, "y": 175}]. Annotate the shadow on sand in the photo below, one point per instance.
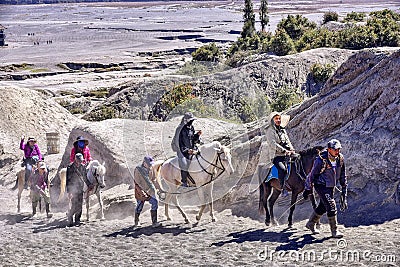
[
  {"x": 283, "y": 237},
  {"x": 175, "y": 230},
  {"x": 12, "y": 218}
]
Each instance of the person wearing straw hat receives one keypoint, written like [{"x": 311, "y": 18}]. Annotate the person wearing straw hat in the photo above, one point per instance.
[
  {"x": 279, "y": 145},
  {"x": 81, "y": 146},
  {"x": 31, "y": 156},
  {"x": 39, "y": 181},
  {"x": 328, "y": 168}
]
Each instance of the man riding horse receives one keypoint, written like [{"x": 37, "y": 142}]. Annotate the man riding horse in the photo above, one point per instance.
[{"x": 184, "y": 143}]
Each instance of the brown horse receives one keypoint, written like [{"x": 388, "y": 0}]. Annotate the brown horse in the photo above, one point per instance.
[{"x": 270, "y": 191}]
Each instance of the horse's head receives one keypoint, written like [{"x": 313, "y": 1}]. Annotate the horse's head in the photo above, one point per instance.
[
  {"x": 224, "y": 153},
  {"x": 98, "y": 171}
]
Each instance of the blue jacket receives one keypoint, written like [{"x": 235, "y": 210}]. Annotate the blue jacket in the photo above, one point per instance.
[{"x": 323, "y": 173}]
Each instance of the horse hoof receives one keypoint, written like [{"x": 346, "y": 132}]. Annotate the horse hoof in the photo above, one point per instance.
[
  {"x": 267, "y": 223},
  {"x": 102, "y": 219},
  {"x": 197, "y": 218},
  {"x": 213, "y": 219},
  {"x": 168, "y": 219},
  {"x": 187, "y": 221}
]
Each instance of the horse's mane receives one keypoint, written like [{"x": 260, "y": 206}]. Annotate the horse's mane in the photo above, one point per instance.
[
  {"x": 311, "y": 151},
  {"x": 96, "y": 164}
]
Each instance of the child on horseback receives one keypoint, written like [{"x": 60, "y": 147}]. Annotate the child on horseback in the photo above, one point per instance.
[
  {"x": 81, "y": 146},
  {"x": 280, "y": 145},
  {"x": 31, "y": 156}
]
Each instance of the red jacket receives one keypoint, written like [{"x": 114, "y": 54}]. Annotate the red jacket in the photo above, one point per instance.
[{"x": 86, "y": 155}]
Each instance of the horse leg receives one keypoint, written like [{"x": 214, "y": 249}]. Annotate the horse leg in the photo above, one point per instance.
[
  {"x": 271, "y": 201},
  {"x": 98, "y": 194},
  {"x": 19, "y": 199},
  {"x": 87, "y": 208},
  {"x": 175, "y": 199},
  {"x": 267, "y": 192},
  {"x": 292, "y": 207},
  {"x": 200, "y": 192},
  {"x": 213, "y": 219}
]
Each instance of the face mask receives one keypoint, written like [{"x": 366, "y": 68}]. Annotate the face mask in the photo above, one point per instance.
[{"x": 81, "y": 144}]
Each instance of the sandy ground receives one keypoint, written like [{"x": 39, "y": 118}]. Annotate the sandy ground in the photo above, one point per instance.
[{"x": 231, "y": 241}]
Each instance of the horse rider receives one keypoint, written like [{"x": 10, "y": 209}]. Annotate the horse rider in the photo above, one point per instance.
[
  {"x": 145, "y": 190},
  {"x": 186, "y": 144},
  {"x": 328, "y": 168},
  {"x": 31, "y": 156},
  {"x": 81, "y": 146},
  {"x": 76, "y": 177},
  {"x": 279, "y": 145},
  {"x": 39, "y": 181}
]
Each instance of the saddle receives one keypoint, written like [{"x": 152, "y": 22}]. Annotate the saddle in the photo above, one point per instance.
[{"x": 273, "y": 174}]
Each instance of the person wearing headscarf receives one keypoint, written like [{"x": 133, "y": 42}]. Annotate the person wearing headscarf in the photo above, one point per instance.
[{"x": 81, "y": 146}]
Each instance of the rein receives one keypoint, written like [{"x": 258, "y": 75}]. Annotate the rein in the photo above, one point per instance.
[{"x": 211, "y": 174}]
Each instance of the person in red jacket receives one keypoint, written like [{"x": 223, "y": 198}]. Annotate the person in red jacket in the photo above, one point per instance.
[{"x": 81, "y": 146}]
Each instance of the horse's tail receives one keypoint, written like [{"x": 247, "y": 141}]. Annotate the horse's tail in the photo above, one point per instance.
[
  {"x": 63, "y": 182},
  {"x": 261, "y": 199}
]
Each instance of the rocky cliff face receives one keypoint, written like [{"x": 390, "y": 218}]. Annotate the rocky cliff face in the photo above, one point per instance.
[
  {"x": 229, "y": 91},
  {"x": 359, "y": 106}
]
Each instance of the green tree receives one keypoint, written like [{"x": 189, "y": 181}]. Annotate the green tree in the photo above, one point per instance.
[
  {"x": 282, "y": 44},
  {"x": 264, "y": 18},
  {"x": 296, "y": 26},
  {"x": 387, "y": 31},
  {"x": 249, "y": 18}
]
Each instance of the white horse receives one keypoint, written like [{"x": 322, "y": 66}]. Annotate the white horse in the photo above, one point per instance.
[
  {"x": 213, "y": 161},
  {"x": 95, "y": 175}
]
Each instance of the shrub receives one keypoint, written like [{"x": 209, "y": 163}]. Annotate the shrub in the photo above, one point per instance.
[
  {"x": 285, "y": 98},
  {"x": 176, "y": 96},
  {"x": 330, "y": 16},
  {"x": 321, "y": 73},
  {"x": 209, "y": 52},
  {"x": 315, "y": 38},
  {"x": 295, "y": 26},
  {"x": 357, "y": 37},
  {"x": 385, "y": 14},
  {"x": 387, "y": 31},
  {"x": 282, "y": 44},
  {"x": 354, "y": 17}
]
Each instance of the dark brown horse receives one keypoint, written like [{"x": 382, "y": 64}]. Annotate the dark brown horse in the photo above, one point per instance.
[{"x": 270, "y": 191}]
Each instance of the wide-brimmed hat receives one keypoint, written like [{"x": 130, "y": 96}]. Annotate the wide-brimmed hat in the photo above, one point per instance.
[
  {"x": 31, "y": 139},
  {"x": 284, "y": 118},
  {"x": 81, "y": 138},
  {"x": 149, "y": 160},
  {"x": 335, "y": 144}
]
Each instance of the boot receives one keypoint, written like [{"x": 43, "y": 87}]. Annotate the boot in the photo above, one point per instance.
[
  {"x": 137, "y": 223},
  {"x": 333, "y": 224},
  {"x": 310, "y": 225},
  {"x": 49, "y": 214},
  {"x": 154, "y": 218},
  {"x": 33, "y": 210},
  {"x": 184, "y": 175}
]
